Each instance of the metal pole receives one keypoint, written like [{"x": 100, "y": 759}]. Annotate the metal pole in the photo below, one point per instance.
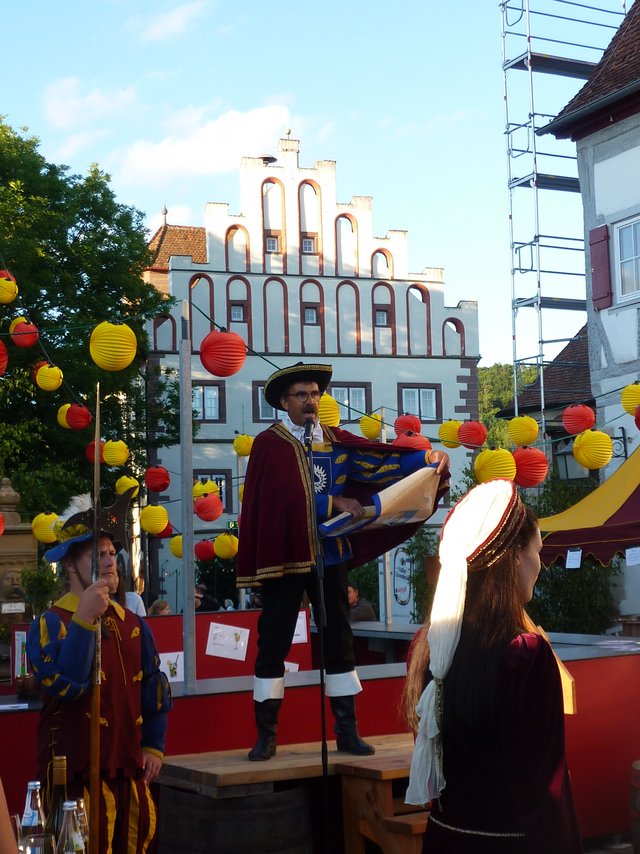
[
  {"x": 186, "y": 470},
  {"x": 386, "y": 558}
]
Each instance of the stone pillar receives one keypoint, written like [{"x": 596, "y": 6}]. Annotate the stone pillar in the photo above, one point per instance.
[{"x": 18, "y": 546}]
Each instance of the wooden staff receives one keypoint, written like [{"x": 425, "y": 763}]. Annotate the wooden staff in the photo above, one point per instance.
[{"x": 94, "y": 732}]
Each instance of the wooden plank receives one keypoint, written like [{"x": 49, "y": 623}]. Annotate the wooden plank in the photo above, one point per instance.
[{"x": 413, "y": 824}]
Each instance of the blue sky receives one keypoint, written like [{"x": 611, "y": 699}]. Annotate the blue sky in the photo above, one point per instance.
[{"x": 167, "y": 97}]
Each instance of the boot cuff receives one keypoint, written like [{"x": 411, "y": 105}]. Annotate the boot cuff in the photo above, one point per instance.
[
  {"x": 342, "y": 684},
  {"x": 268, "y": 689}
]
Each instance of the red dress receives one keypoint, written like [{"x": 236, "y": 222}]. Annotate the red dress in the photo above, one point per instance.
[{"x": 514, "y": 796}]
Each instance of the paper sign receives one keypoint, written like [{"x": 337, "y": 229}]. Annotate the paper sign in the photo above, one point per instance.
[
  {"x": 291, "y": 667},
  {"x": 20, "y": 654},
  {"x": 13, "y": 607},
  {"x": 227, "y": 641},
  {"x": 172, "y": 665},
  {"x": 632, "y": 556},
  {"x": 300, "y": 634},
  {"x": 574, "y": 559}
]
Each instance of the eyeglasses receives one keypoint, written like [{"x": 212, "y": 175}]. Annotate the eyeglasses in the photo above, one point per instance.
[{"x": 303, "y": 396}]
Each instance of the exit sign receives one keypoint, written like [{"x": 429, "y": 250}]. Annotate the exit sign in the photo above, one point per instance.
[{"x": 232, "y": 526}]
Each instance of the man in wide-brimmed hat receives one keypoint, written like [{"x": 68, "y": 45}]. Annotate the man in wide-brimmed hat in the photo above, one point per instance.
[
  {"x": 134, "y": 694},
  {"x": 277, "y": 541}
]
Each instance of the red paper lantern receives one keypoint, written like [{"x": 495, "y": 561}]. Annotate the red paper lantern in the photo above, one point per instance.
[
  {"x": 90, "y": 451},
  {"x": 412, "y": 440},
  {"x": 166, "y": 532},
  {"x": 78, "y": 416},
  {"x": 157, "y": 478},
  {"x": 472, "y": 434},
  {"x": 407, "y": 424},
  {"x": 208, "y": 507},
  {"x": 636, "y": 417},
  {"x": 1, "y": 524},
  {"x": 34, "y": 370},
  {"x": 577, "y": 418},
  {"x": 223, "y": 353},
  {"x": 532, "y": 466},
  {"x": 4, "y": 358},
  {"x": 204, "y": 550},
  {"x": 24, "y": 334}
]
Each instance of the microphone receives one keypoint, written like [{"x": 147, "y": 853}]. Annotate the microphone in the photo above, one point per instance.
[{"x": 308, "y": 431}]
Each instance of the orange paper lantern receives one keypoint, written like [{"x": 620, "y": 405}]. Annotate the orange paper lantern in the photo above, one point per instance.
[
  {"x": 208, "y": 507},
  {"x": 523, "y": 430},
  {"x": 115, "y": 453},
  {"x": 637, "y": 417},
  {"x": 222, "y": 353},
  {"x": 157, "y": 478},
  {"x": 226, "y": 546},
  {"x": 532, "y": 466},
  {"x": 204, "y": 550},
  {"x": 49, "y": 377},
  {"x": 472, "y": 434},
  {"x": 23, "y": 333},
  {"x": 113, "y": 346},
  {"x": 90, "y": 451},
  {"x": 329, "y": 411},
  {"x": 166, "y": 532},
  {"x": 577, "y": 418},
  {"x": 593, "y": 449},
  {"x": 407, "y": 424},
  {"x": 78, "y": 416},
  {"x": 412, "y": 440},
  {"x": 153, "y": 518},
  {"x": 448, "y": 433},
  {"x": 8, "y": 287},
  {"x": 492, "y": 464}
]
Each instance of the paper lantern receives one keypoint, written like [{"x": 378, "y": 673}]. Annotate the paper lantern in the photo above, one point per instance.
[
  {"x": 42, "y": 527},
  {"x": 637, "y": 417},
  {"x": 4, "y": 358},
  {"x": 593, "y": 449},
  {"x": 472, "y": 434},
  {"x": 226, "y": 546},
  {"x": 36, "y": 367},
  {"x": 206, "y": 488},
  {"x": 241, "y": 492},
  {"x": 371, "y": 425},
  {"x": 532, "y": 466},
  {"x": 578, "y": 417},
  {"x": 113, "y": 346},
  {"x": 126, "y": 482},
  {"x": 62, "y": 416},
  {"x": 208, "y": 507},
  {"x": 23, "y": 333},
  {"x": 242, "y": 445},
  {"x": 166, "y": 532},
  {"x": 407, "y": 424},
  {"x": 448, "y": 433},
  {"x": 412, "y": 440},
  {"x": 523, "y": 430},
  {"x": 157, "y": 478},
  {"x": 223, "y": 353},
  {"x": 175, "y": 545},
  {"x": 204, "y": 550},
  {"x": 329, "y": 411},
  {"x": 49, "y": 377},
  {"x": 8, "y": 287},
  {"x": 492, "y": 464},
  {"x": 90, "y": 451},
  {"x": 1, "y": 524},
  {"x": 153, "y": 518},
  {"x": 78, "y": 416},
  {"x": 630, "y": 398},
  {"x": 115, "y": 452}
]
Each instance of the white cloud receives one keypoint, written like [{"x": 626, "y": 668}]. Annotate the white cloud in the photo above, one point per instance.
[
  {"x": 215, "y": 147},
  {"x": 75, "y": 143},
  {"x": 66, "y": 103},
  {"x": 173, "y": 23}
]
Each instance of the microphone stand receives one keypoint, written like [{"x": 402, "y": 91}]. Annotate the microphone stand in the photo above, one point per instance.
[{"x": 321, "y": 622}]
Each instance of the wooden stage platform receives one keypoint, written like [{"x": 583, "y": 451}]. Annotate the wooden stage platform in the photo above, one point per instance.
[{"x": 364, "y": 800}]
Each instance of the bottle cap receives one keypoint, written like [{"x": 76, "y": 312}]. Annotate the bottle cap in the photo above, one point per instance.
[
  {"x": 33, "y": 784},
  {"x": 69, "y": 805}
]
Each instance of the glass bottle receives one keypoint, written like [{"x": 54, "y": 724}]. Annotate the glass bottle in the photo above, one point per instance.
[
  {"x": 70, "y": 840},
  {"x": 33, "y": 816},
  {"x": 83, "y": 821},
  {"x": 58, "y": 796}
]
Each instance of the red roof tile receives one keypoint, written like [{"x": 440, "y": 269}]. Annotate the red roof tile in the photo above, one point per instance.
[{"x": 178, "y": 240}]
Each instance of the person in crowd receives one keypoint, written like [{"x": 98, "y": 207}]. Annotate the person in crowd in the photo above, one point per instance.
[
  {"x": 360, "y": 609},
  {"x": 134, "y": 693},
  {"x": 159, "y": 608},
  {"x": 277, "y": 543},
  {"x": 203, "y": 601},
  {"x": 484, "y": 694},
  {"x": 128, "y": 598}
]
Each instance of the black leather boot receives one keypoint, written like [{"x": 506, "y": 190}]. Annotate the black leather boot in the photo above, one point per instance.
[
  {"x": 346, "y": 730},
  {"x": 266, "y": 714}
]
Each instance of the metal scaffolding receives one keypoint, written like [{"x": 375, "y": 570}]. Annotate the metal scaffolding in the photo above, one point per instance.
[{"x": 549, "y": 48}]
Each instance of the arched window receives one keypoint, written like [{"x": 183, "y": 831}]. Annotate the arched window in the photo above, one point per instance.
[
  {"x": 347, "y": 263},
  {"x": 382, "y": 264},
  {"x": 310, "y": 218},
  {"x": 274, "y": 248},
  {"x": 276, "y": 316},
  {"x": 237, "y": 251},
  {"x": 165, "y": 334},
  {"x": 239, "y": 308},
  {"x": 312, "y": 335},
  {"x": 201, "y": 315},
  {"x": 418, "y": 321},
  {"x": 348, "y": 330},
  {"x": 383, "y": 319},
  {"x": 453, "y": 337}
]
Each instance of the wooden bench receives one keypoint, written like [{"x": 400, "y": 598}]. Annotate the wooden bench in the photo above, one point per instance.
[{"x": 373, "y": 804}]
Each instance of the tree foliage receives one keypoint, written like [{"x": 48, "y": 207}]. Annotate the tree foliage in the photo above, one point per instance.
[
  {"x": 495, "y": 392},
  {"x": 78, "y": 256}
]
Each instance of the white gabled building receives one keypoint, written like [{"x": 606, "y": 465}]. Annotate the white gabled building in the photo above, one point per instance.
[{"x": 301, "y": 276}]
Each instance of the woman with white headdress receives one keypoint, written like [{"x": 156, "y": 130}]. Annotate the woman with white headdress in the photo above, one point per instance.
[{"x": 483, "y": 693}]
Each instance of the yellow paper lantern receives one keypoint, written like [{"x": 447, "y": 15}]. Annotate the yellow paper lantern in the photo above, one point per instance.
[
  {"x": 371, "y": 425},
  {"x": 448, "y": 433},
  {"x": 630, "y": 398},
  {"x": 42, "y": 527},
  {"x": 113, "y": 346},
  {"x": 329, "y": 411},
  {"x": 126, "y": 482},
  {"x": 62, "y": 416},
  {"x": 242, "y": 445},
  {"x": 593, "y": 449},
  {"x": 226, "y": 546},
  {"x": 491, "y": 464},
  {"x": 115, "y": 453},
  {"x": 523, "y": 430},
  {"x": 175, "y": 545},
  {"x": 153, "y": 518},
  {"x": 206, "y": 488},
  {"x": 241, "y": 492},
  {"x": 49, "y": 378},
  {"x": 8, "y": 287}
]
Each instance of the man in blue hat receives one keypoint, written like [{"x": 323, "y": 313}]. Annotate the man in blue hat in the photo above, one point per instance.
[{"x": 134, "y": 694}]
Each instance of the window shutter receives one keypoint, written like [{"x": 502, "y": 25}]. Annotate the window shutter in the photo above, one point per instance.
[{"x": 600, "y": 270}]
